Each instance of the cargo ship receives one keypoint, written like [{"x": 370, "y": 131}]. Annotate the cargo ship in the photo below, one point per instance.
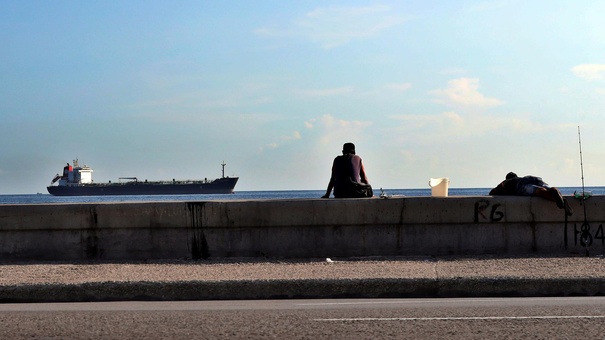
[{"x": 77, "y": 180}]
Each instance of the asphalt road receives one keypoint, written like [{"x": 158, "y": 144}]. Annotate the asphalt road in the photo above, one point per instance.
[{"x": 470, "y": 318}]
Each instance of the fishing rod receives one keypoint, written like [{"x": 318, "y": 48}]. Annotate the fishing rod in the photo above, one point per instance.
[
  {"x": 581, "y": 165},
  {"x": 585, "y": 238}
]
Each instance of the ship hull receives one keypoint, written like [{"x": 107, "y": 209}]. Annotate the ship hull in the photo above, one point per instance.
[{"x": 219, "y": 186}]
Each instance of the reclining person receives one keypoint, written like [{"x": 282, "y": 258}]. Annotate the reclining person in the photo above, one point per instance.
[{"x": 514, "y": 185}]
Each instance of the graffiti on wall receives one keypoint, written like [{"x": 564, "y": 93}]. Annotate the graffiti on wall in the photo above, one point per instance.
[
  {"x": 582, "y": 233},
  {"x": 485, "y": 211},
  {"x": 584, "y": 236}
]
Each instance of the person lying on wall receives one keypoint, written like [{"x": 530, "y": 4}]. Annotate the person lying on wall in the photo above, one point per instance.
[
  {"x": 348, "y": 177},
  {"x": 514, "y": 185}
]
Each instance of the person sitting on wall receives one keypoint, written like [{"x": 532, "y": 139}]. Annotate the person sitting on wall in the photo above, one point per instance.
[
  {"x": 348, "y": 177},
  {"x": 514, "y": 185}
]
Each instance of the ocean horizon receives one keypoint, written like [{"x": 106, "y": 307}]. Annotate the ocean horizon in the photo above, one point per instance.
[{"x": 252, "y": 195}]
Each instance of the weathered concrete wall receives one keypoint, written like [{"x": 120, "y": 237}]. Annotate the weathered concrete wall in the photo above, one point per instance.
[{"x": 299, "y": 228}]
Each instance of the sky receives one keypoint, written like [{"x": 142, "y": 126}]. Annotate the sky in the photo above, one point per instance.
[{"x": 468, "y": 90}]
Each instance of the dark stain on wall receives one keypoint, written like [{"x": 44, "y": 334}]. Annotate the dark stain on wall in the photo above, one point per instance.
[
  {"x": 92, "y": 237},
  {"x": 199, "y": 244}
]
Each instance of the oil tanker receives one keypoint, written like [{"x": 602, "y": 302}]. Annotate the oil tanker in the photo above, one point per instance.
[{"x": 77, "y": 180}]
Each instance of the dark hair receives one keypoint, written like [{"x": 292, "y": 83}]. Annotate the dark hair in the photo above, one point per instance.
[
  {"x": 348, "y": 148},
  {"x": 511, "y": 175}
]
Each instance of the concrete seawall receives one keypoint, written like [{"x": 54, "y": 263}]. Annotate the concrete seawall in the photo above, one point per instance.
[{"x": 303, "y": 228}]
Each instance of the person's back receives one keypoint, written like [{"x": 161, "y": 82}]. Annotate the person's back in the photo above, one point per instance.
[
  {"x": 346, "y": 169},
  {"x": 507, "y": 187},
  {"x": 347, "y": 175}
]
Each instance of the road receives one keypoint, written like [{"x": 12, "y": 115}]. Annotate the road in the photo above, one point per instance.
[{"x": 471, "y": 318}]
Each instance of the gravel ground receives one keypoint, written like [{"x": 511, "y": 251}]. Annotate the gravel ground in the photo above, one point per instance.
[{"x": 342, "y": 269}]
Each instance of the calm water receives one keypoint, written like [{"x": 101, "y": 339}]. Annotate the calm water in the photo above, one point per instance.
[{"x": 244, "y": 195}]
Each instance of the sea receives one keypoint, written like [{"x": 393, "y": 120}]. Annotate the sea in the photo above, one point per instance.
[{"x": 41, "y": 198}]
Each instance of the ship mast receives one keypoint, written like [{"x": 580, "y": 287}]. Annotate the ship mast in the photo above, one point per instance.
[{"x": 223, "y": 164}]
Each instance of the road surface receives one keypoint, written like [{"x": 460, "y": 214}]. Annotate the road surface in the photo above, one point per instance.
[{"x": 470, "y": 318}]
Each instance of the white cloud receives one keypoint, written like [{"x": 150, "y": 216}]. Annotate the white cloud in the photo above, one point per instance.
[
  {"x": 337, "y": 91},
  {"x": 330, "y": 130},
  {"x": 413, "y": 122},
  {"x": 433, "y": 128},
  {"x": 485, "y": 6},
  {"x": 453, "y": 71},
  {"x": 267, "y": 32},
  {"x": 336, "y": 26},
  {"x": 524, "y": 125},
  {"x": 284, "y": 139},
  {"x": 399, "y": 87},
  {"x": 464, "y": 91},
  {"x": 296, "y": 135},
  {"x": 329, "y": 121},
  {"x": 432, "y": 122},
  {"x": 453, "y": 117},
  {"x": 589, "y": 71}
]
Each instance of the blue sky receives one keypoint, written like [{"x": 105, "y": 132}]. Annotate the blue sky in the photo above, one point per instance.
[{"x": 170, "y": 89}]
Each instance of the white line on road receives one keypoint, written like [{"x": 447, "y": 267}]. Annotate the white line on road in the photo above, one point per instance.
[
  {"x": 379, "y": 302},
  {"x": 443, "y": 300},
  {"x": 466, "y": 318}
]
